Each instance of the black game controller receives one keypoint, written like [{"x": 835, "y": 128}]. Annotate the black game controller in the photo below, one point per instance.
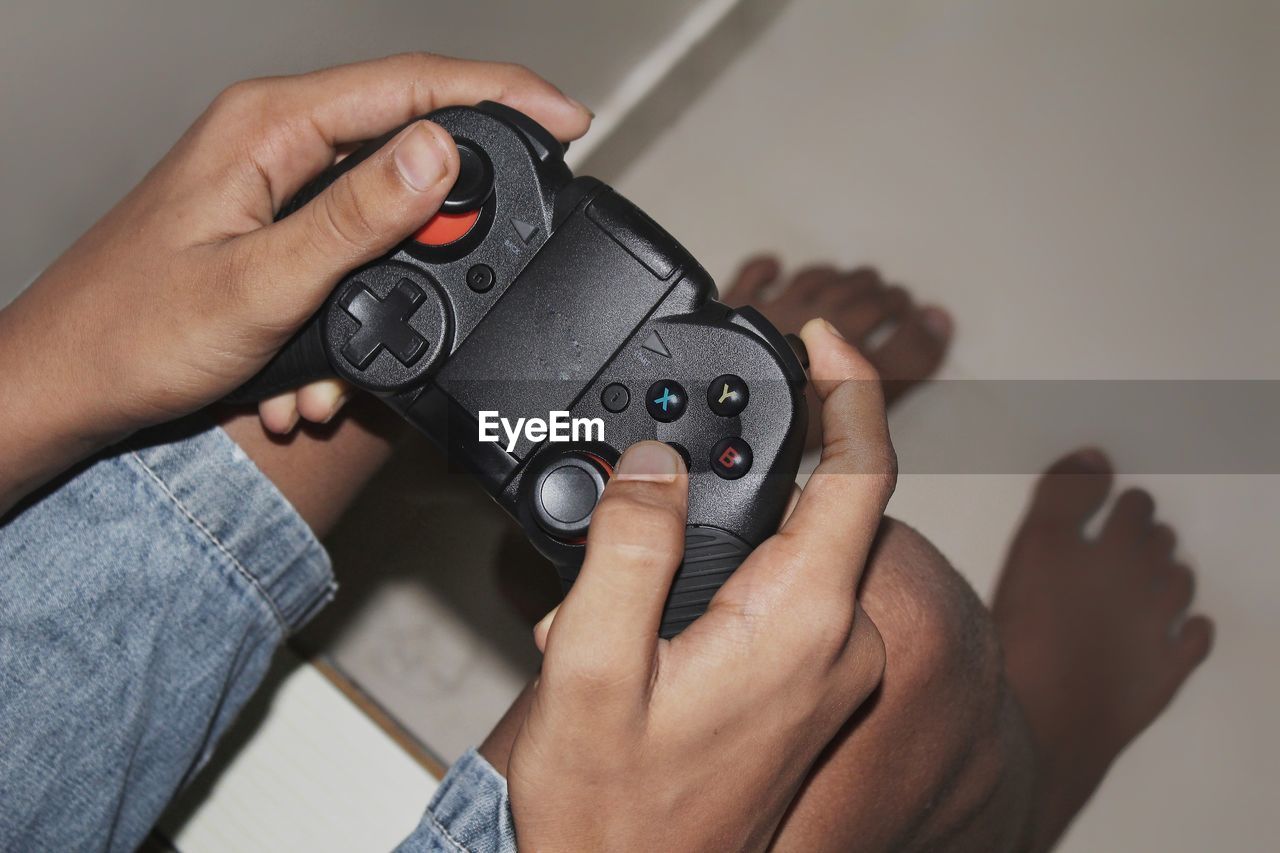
[{"x": 534, "y": 292}]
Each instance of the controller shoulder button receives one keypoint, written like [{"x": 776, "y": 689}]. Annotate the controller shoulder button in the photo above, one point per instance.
[{"x": 544, "y": 146}]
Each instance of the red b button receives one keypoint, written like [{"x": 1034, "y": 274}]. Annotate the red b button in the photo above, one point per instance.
[{"x": 731, "y": 457}]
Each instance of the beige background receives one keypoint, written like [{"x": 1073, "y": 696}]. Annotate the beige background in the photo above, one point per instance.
[{"x": 92, "y": 92}]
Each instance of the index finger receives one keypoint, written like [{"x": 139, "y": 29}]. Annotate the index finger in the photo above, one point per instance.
[
  {"x": 836, "y": 517},
  {"x": 351, "y": 103}
]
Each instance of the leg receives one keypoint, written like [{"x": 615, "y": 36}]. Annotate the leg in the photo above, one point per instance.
[
  {"x": 942, "y": 758},
  {"x": 321, "y": 468},
  {"x": 1096, "y": 641},
  {"x": 1096, "y": 631}
]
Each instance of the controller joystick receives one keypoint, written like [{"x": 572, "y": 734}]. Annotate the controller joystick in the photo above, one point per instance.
[{"x": 533, "y": 292}]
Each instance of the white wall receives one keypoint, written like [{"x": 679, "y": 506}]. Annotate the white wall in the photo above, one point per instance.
[{"x": 92, "y": 93}]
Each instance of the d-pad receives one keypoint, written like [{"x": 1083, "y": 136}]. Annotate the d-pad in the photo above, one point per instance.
[{"x": 383, "y": 323}]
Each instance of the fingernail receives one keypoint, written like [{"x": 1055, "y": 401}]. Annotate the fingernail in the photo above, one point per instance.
[
  {"x": 575, "y": 102},
  {"x": 936, "y": 322},
  {"x": 420, "y": 158},
  {"x": 336, "y": 407},
  {"x": 649, "y": 460},
  {"x": 832, "y": 329}
]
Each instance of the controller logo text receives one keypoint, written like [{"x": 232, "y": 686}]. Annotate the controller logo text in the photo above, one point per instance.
[{"x": 558, "y": 426}]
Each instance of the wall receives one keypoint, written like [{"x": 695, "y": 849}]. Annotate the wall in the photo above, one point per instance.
[{"x": 92, "y": 93}]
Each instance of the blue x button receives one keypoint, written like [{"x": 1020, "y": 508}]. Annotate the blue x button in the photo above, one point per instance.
[{"x": 666, "y": 400}]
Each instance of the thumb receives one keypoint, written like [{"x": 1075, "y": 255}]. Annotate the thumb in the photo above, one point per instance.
[{"x": 361, "y": 215}]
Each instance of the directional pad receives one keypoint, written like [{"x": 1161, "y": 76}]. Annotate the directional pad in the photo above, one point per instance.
[{"x": 384, "y": 323}]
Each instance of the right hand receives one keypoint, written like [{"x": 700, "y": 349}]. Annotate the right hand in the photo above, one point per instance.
[{"x": 701, "y": 742}]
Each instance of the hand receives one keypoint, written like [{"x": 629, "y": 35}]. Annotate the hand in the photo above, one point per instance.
[
  {"x": 701, "y": 742},
  {"x": 186, "y": 288}
]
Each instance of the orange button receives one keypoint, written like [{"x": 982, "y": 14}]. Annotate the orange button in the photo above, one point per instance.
[{"x": 445, "y": 228}]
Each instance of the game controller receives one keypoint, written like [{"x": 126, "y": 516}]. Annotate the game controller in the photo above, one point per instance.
[{"x": 533, "y": 292}]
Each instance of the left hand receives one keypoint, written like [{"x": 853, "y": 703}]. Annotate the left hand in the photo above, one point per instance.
[{"x": 187, "y": 287}]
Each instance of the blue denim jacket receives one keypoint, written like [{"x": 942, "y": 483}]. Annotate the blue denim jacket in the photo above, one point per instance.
[{"x": 141, "y": 599}]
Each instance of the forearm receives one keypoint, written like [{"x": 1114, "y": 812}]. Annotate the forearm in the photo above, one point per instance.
[{"x": 47, "y": 415}]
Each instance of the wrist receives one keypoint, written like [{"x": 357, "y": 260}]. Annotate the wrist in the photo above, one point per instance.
[{"x": 47, "y": 423}]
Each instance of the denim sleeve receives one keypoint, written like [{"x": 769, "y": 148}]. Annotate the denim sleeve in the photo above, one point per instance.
[
  {"x": 470, "y": 813},
  {"x": 141, "y": 599}
]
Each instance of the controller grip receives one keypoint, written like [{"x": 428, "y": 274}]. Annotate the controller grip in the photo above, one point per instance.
[
  {"x": 710, "y": 556},
  {"x": 302, "y": 360}
]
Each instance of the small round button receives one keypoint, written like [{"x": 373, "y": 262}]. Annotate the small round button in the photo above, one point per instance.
[
  {"x": 615, "y": 397},
  {"x": 480, "y": 278},
  {"x": 727, "y": 395},
  {"x": 731, "y": 457},
  {"x": 666, "y": 400},
  {"x": 565, "y": 495}
]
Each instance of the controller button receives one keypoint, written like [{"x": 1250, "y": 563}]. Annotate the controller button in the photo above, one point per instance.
[
  {"x": 445, "y": 228},
  {"x": 656, "y": 345},
  {"x": 684, "y": 454},
  {"x": 384, "y": 323},
  {"x": 566, "y": 493},
  {"x": 545, "y": 146},
  {"x": 727, "y": 395},
  {"x": 798, "y": 347},
  {"x": 480, "y": 278},
  {"x": 524, "y": 230},
  {"x": 615, "y": 397},
  {"x": 474, "y": 183},
  {"x": 666, "y": 400},
  {"x": 731, "y": 457}
]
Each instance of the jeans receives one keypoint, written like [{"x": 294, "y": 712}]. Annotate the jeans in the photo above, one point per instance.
[{"x": 142, "y": 597}]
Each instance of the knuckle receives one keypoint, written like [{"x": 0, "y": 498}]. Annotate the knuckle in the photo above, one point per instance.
[
  {"x": 413, "y": 61},
  {"x": 517, "y": 73},
  {"x": 241, "y": 99},
  {"x": 831, "y": 620},
  {"x": 875, "y": 461},
  {"x": 343, "y": 215},
  {"x": 637, "y": 529},
  {"x": 514, "y": 77}
]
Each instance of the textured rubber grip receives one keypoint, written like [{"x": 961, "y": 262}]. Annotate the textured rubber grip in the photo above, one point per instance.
[
  {"x": 301, "y": 361},
  {"x": 710, "y": 556}
]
